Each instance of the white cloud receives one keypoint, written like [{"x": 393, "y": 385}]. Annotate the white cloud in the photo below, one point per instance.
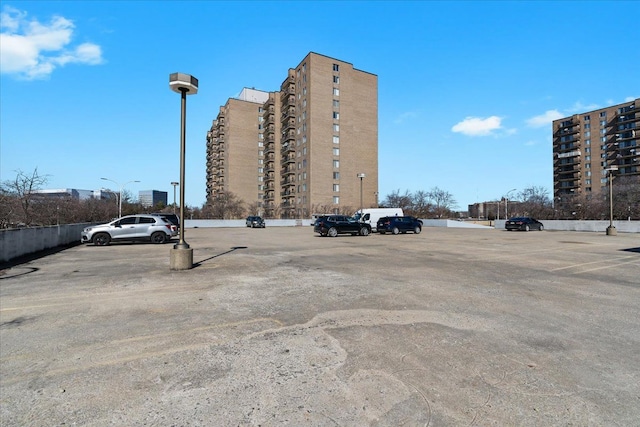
[
  {"x": 32, "y": 50},
  {"x": 405, "y": 116},
  {"x": 579, "y": 107},
  {"x": 476, "y": 126},
  {"x": 544, "y": 119}
]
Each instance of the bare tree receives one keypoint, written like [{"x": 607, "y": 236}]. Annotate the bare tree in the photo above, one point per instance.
[
  {"x": 535, "y": 202},
  {"x": 24, "y": 188},
  {"x": 225, "y": 205},
  {"x": 397, "y": 200},
  {"x": 443, "y": 202}
]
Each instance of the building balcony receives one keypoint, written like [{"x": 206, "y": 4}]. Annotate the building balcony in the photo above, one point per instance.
[
  {"x": 291, "y": 158},
  {"x": 287, "y": 147}
]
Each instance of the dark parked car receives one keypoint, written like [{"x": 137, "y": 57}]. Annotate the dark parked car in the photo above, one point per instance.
[
  {"x": 523, "y": 223},
  {"x": 255, "y": 222},
  {"x": 399, "y": 224},
  {"x": 332, "y": 225},
  {"x": 172, "y": 218}
]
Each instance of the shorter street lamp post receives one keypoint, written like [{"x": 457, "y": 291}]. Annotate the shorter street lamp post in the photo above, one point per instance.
[
  {"x": 174, "y": 195},
  {"x": 120, "y": 193},
  {"x": 611, "y": 230},
  {"x": 361, "y": 176},
  {"x": 506, "y": 204}
]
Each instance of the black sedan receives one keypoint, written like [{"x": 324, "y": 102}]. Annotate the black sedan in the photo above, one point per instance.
[
  {"x": 332, "y": 225},
  {"x": 523, "y": 223}
]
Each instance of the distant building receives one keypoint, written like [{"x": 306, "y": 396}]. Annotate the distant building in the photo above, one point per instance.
[
  {"x": 65, "y": 192},
  {"x": 586, "y": 145},
  {"x": 150, "y": 198},
  {"x": 299, "y": 150},
  {"x": 498, "y": 209}
]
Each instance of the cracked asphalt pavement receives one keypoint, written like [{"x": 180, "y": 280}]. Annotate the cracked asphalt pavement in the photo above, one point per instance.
[{"x": 279, "y": 326}]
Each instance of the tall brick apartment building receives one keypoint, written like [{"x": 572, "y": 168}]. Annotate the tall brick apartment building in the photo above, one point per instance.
[
  {"x": 299, "y": 150},
  {"x": 587, "y": 146}
]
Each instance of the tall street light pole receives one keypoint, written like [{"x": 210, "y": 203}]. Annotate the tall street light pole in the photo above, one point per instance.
[
  {"x": 120, "y": 193},
  {"x": 174, "y": 195},
  {"x": 611, "y": 230},
  {"x": 184, "y": 84},
  {"x": 361, "y": 176},
  {"x": 506, "y": 204}
]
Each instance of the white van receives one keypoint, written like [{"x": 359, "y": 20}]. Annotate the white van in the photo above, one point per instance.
[{"x": 372, "y": 215}]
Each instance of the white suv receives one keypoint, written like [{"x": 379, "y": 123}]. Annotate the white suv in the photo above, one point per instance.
[{"x": 151, "y": 228}]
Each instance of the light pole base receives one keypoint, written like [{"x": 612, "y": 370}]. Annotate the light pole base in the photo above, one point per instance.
[
  {"x": 181, "y": 259},
  {"x": 611, "y": 231}
]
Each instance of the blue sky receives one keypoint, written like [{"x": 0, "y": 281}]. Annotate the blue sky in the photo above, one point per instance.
[{"x": 467, "y": 90}]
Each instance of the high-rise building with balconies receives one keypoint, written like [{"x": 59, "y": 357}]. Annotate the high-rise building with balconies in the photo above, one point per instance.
[
  {"x": 588, "y": 147},
  {"x": 311, "y": 147}
]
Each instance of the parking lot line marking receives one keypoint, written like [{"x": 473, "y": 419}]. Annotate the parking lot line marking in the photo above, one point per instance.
[{"x": 589, "y": 263}]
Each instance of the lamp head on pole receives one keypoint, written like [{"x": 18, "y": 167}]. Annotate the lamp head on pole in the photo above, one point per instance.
[
  {"x": 361, "y": 175},
  {"x": 183, "y": 83}
]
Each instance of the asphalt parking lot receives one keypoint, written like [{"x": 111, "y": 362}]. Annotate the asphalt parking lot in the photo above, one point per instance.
[{"x": 278, "y": 326}]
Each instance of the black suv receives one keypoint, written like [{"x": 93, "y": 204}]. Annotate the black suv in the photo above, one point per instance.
[
  {"x": 255, "y": 222},
  {"x": 172, "y": 218},
  {"x": 399, "y": 224},
  {"x": 332, "y": 225}
]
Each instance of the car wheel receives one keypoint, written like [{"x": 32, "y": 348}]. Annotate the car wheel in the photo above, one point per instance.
[
  {"x": 395, "y": 230},
  {"x": 364, "y": 231},
  {"x": 158, "y": 237},
  {"x": 541, "y": 228},
  {"x": 417, "y": 230},
  {"x": 332, "y": 232},
  {"x": 101, "y": 239},
  {"x": 382, "y": 232},
  {"x": 526, "y": 228}
]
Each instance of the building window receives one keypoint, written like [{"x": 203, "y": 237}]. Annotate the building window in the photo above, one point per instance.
[
  {"x": 336, "y": 67},
  {"x": 336, "y": 91},
  {"x": 336, "y": 164},
  {"x": 336, "y": 200},
  {"x": 304, "y": 151},
  {"x": 587, "y": 133},
  {"x": 336, "y": 151},
  {"x": 587, "y": 158},
  {"x": 336, "y": 115},
  {"x": 336, "y": 187},
  {"x": 603, "y": 114},
  {"x": 336, "y": 103},
  {"x": 336, "y": 127},
  {"x": 587, "y": 142},
  {"x": 587, "y": 173},
  {"x": 336, "y": 139},
  {"x": 587, "y": 150},
  {"x": 304, "y": 187},
  {"x": 336, "y": 175},
  {"x": 587, "y": 125},
  {"x": 586, "y": 118}
]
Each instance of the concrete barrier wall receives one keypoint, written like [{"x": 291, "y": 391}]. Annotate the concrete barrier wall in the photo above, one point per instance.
[
  {"x": 594, "y": 226},
  {"x": 22, "y": 241},
  {"x": 16, "y": 242}
]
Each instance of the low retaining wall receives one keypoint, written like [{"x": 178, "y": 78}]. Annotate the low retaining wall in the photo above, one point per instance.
[
  {"x": 15, "y": 242},
  {"x": 595, "y": 226},
  {"x": 22, "y": 241}
]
